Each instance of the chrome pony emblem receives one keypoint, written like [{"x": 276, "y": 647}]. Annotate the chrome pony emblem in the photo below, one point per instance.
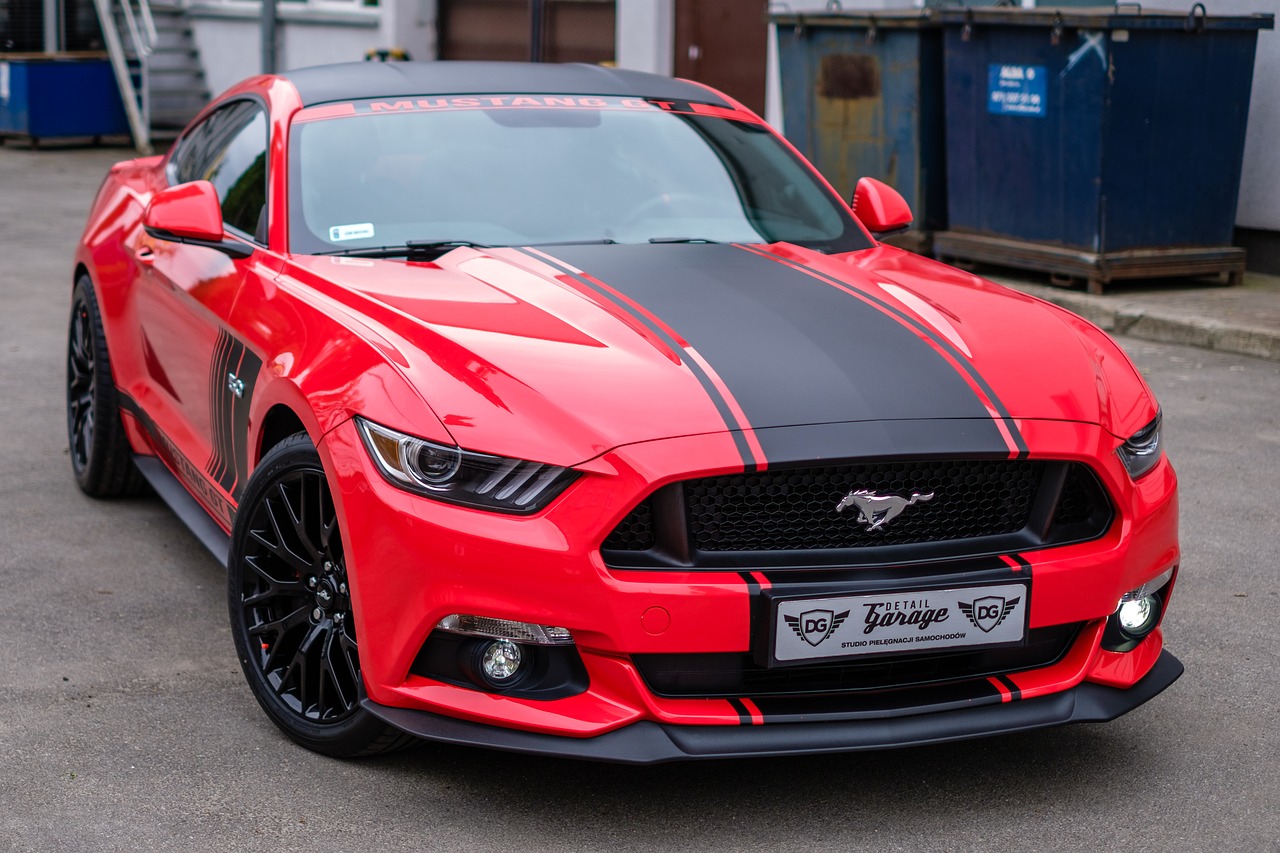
[{"x": 875, "y": 510}]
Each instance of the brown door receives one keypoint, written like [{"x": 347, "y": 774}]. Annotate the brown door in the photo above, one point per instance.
[
  {"x": 484, "y": 29},
  {"x": 571, "y": 30},
  {"x": 722, "y": 43}
]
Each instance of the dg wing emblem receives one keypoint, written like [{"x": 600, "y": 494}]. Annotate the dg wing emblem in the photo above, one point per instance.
[
  {"x": 988, "y": 613},
  {"x": 814, "y": 626}
]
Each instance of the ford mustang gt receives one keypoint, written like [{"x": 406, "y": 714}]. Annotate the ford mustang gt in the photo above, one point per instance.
[{"x": 568, "y": 410}]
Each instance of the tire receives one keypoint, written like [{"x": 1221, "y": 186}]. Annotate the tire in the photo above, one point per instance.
[
  {"x": 290, "y": 609},
  {"x": 100, "y": 455}
]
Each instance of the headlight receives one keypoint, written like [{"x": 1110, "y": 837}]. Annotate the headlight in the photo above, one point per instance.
[
  {"x": 454, "y": 475},
  {"x": 1142, "y": 451}
]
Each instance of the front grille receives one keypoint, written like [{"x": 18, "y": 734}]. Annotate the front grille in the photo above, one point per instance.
[
  {"x": 789, "y": 515},
  {"x": 714, "y": 675},
  {"x": 793, "y": 509}
]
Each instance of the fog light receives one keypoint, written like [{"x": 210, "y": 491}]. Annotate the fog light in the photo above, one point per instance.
[
  {"x": 1138, "y": 617},
  {"x": 501, "y": 661},
  {"x": 1137, "y": 614}
]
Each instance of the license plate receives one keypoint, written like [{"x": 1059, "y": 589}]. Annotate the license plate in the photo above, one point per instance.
[{"x": 849, "y": 626}]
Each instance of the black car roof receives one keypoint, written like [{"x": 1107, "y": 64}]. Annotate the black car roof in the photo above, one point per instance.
[{"x": 351, "y": 81}]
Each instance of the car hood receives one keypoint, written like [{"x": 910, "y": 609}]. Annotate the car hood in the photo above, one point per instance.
[{"x": 564, "y": 352}]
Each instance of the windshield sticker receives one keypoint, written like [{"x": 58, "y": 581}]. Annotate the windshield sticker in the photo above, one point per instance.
[
  {"x": 360, "y": 231},
  {"x": 516, "y": 102}
]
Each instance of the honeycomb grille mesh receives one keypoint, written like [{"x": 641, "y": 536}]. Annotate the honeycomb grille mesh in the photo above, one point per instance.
[
  {"x": 795, "y": 508},
  {"x": 633, "y": 533}
]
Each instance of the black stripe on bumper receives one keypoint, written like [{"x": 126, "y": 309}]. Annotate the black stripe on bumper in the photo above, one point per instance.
[{"x": 655, "y": 743}]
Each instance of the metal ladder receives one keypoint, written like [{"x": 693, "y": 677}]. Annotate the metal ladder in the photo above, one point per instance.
[{"x": 156, "y": 64}]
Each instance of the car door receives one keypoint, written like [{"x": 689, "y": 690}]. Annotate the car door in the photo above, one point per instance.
[{"x": 200, "y": 376}]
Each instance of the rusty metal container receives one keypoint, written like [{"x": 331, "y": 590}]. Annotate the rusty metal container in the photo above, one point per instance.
[
  {"x": 1096, "y": 144},
  {"x": 862, "y": 96}
]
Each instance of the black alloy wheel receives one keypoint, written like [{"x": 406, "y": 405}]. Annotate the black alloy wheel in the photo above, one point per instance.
[
  {"x": 100, "y": 454},
  {"x": 291, "y": 613}
]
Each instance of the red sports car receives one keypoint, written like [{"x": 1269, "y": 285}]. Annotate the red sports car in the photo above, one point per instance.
[{"x": 568, "y": 410}]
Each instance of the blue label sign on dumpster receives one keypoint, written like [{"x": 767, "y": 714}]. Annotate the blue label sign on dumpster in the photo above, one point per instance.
[{"x": 1016, "y": 89}]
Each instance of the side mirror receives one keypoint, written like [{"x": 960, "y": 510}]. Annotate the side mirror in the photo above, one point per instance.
[
  {"x": 190, "y": 213},
  {"x": 881, "y": 208}
]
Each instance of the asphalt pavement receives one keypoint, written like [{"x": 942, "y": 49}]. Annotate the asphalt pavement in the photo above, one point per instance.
[{"x": 125, "y": 723}]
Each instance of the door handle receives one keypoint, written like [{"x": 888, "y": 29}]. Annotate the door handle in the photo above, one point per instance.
[{"x": 144, "y": 254}]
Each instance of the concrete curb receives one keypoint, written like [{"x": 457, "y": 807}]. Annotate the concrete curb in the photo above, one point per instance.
[{"x": 1120, "y": 316}]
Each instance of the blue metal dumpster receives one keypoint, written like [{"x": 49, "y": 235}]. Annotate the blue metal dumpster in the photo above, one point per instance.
[
  {"x": 45, "y": 96},
  {"x": 1096, "y": 144},
  {"x": 862, "y": 97}
]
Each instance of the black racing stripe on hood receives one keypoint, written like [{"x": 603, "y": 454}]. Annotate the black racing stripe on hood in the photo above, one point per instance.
[
  {"x": 791, "y": 348},
  {"x": 936, "y": 437},
  {"x": 974, "y": 376},
  {"x": 722, "y": 406}
]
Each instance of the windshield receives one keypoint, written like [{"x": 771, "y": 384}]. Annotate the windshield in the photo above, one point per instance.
[{"x": 530, "y": 170}]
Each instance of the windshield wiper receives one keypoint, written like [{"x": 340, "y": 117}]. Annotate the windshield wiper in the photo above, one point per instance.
[
  {"x": 411, "y": 249},
  {"x": 603, "y": 241},
  {"x": 681, "y": 240}
]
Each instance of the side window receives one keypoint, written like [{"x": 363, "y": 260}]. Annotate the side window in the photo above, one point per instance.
[{"x": 229, "y": 149}]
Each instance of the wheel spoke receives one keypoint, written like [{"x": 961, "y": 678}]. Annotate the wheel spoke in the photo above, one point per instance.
[
  {"x": 281, "y": 551},
  {"x": 297, "y": 518},
  {"x": 326, "y": 533},
  {"x": 275, "y": 591},
  {"x": 86, "y": 432},
  {"x": 280, "y": 547},
  {"x": 82, "y": 403},
  {"x": 299, "y": 668},
  {"x": 343, "y": 703},
  {"x": 80, "y": 337},
  {"x": 80, "y": 377},
  {"x": 348, "y": 648},
  {"x": 280, "y": 626},
  {"x": 328, "y": 518}
]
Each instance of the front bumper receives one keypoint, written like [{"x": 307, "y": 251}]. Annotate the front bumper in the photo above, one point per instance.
[
  {"x": 413, "y": 561},
  {"x": 648, "y": 742}
]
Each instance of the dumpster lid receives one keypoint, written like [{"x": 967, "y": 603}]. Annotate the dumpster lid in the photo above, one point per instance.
[
  {"x": 1121, "y": 16},
  {"x": 859, "y": 19}
]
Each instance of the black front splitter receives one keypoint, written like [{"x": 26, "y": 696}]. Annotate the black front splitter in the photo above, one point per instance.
[{"x": 654, "y": 743}]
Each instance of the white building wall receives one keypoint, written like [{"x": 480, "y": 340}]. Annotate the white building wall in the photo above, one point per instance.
[
  {"x": 228, "y": 35},
  {"x": 305, "y": 43},
  {"x": 414, "y": 27},
  {"x": 646, "y": 35},
  {"x": 230, "y": 49},
  {"x": 1260, "y": 180}
]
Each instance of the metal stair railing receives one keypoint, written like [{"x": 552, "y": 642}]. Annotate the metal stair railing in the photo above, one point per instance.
[{"x": 137, "y": 26}]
